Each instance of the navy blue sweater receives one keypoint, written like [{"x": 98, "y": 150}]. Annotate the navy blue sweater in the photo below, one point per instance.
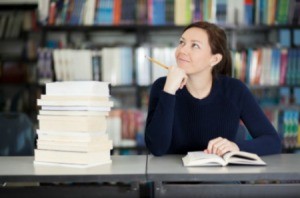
[{"x": 180, "y": 123}]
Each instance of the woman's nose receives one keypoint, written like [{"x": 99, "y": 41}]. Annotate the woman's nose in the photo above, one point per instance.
[{"x": 183, "y": 49}]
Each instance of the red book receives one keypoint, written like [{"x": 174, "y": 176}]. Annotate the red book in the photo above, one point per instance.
[
  {"x": 52, "y": 13},
  {"x": 283, "y": 66}
]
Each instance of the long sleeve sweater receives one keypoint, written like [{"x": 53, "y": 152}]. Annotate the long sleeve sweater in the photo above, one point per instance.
[{"x": 177, "y": 124}]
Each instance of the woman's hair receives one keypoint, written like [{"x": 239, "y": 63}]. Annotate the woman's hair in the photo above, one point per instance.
[{"x": 218, "y": 43}]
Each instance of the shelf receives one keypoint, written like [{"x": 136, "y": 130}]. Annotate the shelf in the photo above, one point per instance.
[
  {"x": 18, "y": 4},
  {"x": 259, "y": 27},
  {"x": 17, "y": 59},
  {"x": 271, "y": 86},
  {"x": 125, "y": 28},
  {"x": 17, "y": 84},
  {"x": 140, "y": 148},
  {"x": 145, "y": 28},
  {"x": 280, "y": 107},
  {"x": 130, "y": 86}
]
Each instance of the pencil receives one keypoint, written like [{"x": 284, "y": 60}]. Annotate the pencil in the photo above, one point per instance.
[{"x": 155, "y": 61}]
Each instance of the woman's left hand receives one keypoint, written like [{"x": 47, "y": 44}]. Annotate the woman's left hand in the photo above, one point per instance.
[{"x": 220, "y": 146}]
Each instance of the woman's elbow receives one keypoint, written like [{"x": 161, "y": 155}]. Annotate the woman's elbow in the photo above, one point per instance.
[
  {"x": 276, "y": 145},
  {"x": 156, "y": 151}
]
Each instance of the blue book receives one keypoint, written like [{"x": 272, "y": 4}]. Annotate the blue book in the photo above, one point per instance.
[
  {"x": 221, "y": 11},
  {"x": 285, "y": 38},
  {"x": 297, "y": 95},
  {"x": 296, "y": 40},
  {"x": 159, "y": 12}
]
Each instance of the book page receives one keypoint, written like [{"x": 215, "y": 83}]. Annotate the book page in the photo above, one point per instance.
[
  {"x": 241, "y": 157},
  {"x": 199, "y": 158}
]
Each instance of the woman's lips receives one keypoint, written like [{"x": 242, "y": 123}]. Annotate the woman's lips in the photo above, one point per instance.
[{"x": 182, "y": 60}]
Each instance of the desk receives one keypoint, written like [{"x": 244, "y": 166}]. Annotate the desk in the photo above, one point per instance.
[
  {"x": 127, "y": 169},
  {"x": 172, "y": 179}
]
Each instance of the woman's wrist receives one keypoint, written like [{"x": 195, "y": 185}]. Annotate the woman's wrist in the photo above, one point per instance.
[{"x": 169, "y": 91}]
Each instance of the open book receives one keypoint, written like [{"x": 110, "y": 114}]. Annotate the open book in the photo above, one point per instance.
[{"x": 199, "y": 158}]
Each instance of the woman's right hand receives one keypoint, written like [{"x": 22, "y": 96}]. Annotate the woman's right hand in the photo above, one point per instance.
[{"x": 176, "y": 79}]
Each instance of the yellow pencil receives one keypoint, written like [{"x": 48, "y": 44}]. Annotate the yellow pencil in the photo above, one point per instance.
[{"x": 155, "y": 61}]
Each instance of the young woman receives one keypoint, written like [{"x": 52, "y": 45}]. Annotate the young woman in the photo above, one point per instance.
[{"x": 198, "y": 106}]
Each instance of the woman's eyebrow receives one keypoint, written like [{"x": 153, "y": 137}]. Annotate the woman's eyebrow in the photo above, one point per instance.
[{"x": 197, "y": 41}]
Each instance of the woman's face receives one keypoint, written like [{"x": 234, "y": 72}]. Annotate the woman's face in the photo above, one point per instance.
[{"x": 193, "y": 53}]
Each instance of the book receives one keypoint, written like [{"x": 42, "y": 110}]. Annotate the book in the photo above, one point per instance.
[
  {"x": 73, "y": 113},
  {"x": 76, "y": 108},
  {"x": 74, "y": 98},
  {"x": 72, "y": 123},
  {"x": 95, "y": 143},
  {"x": 78, "y": 88},
  {"x": 74, "y": 146},
  {"x": 72, "y": 158},
  {"x": 199, "y": 158},
  {"x": 72, "y": 136},
  {"x": 74, "y": 103}
]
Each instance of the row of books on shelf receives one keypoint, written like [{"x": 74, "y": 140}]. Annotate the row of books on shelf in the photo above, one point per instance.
[
  {"x": 127, "y": 66},
  {"x": 126, "y": 127},
  {"x": 175, "y": 12},
  {"x": 12, "y": 23},
  {"x": 267, "y": 66},
  {"x": 278, "y": 97},
  {"x": 289, "y": 128},
  {"x": 287, "y": 123},
  {"x": 114, "y": 65}
]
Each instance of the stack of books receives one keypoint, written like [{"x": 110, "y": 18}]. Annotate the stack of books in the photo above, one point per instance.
[{"x": 72, "y": 124}]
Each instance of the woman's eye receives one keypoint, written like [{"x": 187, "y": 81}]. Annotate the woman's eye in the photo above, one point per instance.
[
  {"x": 181, "y": 42},
  {"x": 195, "y": 46}
]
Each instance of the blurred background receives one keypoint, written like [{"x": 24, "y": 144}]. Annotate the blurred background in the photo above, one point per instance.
[{"x": 105, "y": 40}]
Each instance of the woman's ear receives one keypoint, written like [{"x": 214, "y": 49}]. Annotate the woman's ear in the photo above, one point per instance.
[{"x": 215, "y": 59}]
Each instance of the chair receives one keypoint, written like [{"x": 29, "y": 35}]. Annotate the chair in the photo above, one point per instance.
[
  {"x": 17, "y": 135},
  {"x": 242, "y": 134}
]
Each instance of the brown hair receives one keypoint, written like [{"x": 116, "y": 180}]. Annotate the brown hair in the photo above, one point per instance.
[{"x": 218, "y": 43}]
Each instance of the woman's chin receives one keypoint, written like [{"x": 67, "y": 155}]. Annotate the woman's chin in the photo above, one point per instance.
[{"x": 185, "y": 68}]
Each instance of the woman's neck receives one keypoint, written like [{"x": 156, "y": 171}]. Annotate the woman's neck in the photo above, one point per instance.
[{"x": 199, "y": 86}]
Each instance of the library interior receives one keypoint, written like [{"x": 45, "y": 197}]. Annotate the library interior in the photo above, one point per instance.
[{"x": 75, "y": 84}]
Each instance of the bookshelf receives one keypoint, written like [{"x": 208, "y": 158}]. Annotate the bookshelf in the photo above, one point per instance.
[
  {"x": 145, "y": 31},
  {"x": 18, "y": 85}
]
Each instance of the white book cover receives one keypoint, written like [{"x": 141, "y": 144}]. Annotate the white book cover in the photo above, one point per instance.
[
  {"x": 126, "y": 66},
  {"x": 82, "y": 144},
  {"x": 83, "y": 68},
  {"x": 75, "y": 98},
  {"x": 107, "y": 70},
  {"x": 74, "y": 103},
  {"x": 78, "y": 88},
  {"x": 39, "y": 164},
  {"x": 76, "y": 108},
  {"x": 71, "y": 136},
  {"x": 57, "y": 64},
  {"x": 89, "y": 12},
  {"x": 165, "y": 56},
  {"x": 142, "y": 66},
  {"x": 77, "y": 158},
  {"x": 81, "y": 134},
  {"x": 235, "y": 12},
  {"x": 73, "y": 113}
]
